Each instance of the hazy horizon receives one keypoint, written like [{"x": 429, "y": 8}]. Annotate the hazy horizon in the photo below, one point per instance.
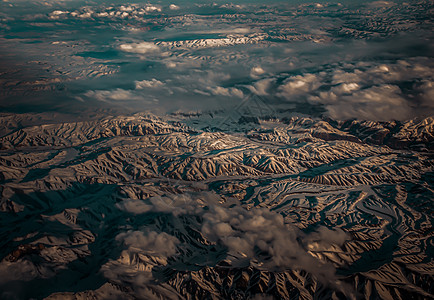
[{"x": 83, "y": 56}]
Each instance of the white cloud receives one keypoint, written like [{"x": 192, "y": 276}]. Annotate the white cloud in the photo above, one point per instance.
[
  {"x": 170, "y": 64},
  {"x": 102, "y": 14},
  {"x": 173, "y": 7},
  {"x": 174, "y": 204},
  {"x": 340, "y": 76},
  {"x": 57, "y": 14},
  {"x": 152, "y": 8},
  {"x": 241, "y": 230},
  {"x": 237, "y": 6},
  {"x": 373, "y": 74},
  {"x": 380, "y": 103},
  {"x": 229, "y": 92},
  {"x": 300, "y": 85},
  {"x": 282, "y": 246},
  {"x": 152, "y": 243},
  {"x": 378, "y": 4},
  {"x": 196, "y": 91},
  {"x": 426, "y": 91},
  {"x": 256, "y": 72},
  {"x": 140, "y": 48},
  {"x": 136, "y": 207},
  {"x": 126, "y": 8},
  {"x": 345, "y": 88},
  {"x": 261, "y": 87},
  {"x": 367, "y": 90},
  {"x": 148, "y": 84},
  {"x": 326, "y": 237},
  {"x": 113, "y": 95}
]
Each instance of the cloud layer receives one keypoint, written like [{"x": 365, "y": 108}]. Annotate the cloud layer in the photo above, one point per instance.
[
  {"x": 152, "y": 243},
  {"x": 256, "y": 236},
  {"x": 140, "y": 48},
  {"x": 352, "y": 60},
  {"x": 365, "y": 90}
]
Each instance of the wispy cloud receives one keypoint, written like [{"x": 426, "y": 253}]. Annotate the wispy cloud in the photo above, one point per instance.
[
  {"x": 140, "y": 48},
  {"x": 113, "y": 95},
  {"x": 153, "y": 243}
]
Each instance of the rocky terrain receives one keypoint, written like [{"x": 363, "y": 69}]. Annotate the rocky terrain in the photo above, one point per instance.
[{"x": 147, "y": 207}]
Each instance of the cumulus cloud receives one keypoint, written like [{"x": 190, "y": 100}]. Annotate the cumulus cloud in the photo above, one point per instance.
[
  {"x": 259, "y": 236},
  {"x": 140, "y": 48},
  {"x": 366, "y": 74},
  {"x": 173, "y": 7},
  {"x": 57, "y": 14},
  {"x": 152, "y": 8},
  {"x": 251, "y": 237},
  {"x": 381, "y": 4},
  {"x": 383, "y": 102},
  {"x": 231, "y": 5},
  {"x": 170, "y": 64},
  {"x": 340, "y": 76},
  {"x": 134, "y": 206},
  {"x": 152, "y": 243},
  {"x": 366, "y": 90},
  {"x": 206, "y": 83},
  {"x": 229, "y": 92},
  {"x": 263, "y": 237},
  {"x": 300, "y": 85},
  {"x": 133, "y": 11},
  {"x": 426, "y": 92},
  {"x": 113, "y": 95},
  {"x": 144, "y": 251},
  {"x": 345, "y": 88},
  {"x": 173, "y": 204},
  {"x": 261, "y": 87},
  {"x": 257, "y": 72},
  {"x": 325, "y": 237},
  {"x": 148, "y": 84}
]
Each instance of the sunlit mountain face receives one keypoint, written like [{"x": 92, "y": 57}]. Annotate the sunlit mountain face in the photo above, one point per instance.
[{"x": 216, "y": 150}]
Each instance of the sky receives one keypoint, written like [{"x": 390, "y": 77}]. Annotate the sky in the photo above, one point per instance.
[{"x": 343, "y": 60}]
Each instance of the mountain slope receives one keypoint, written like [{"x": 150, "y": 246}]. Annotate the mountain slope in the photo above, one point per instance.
[{"x": 146, "y": 206}]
